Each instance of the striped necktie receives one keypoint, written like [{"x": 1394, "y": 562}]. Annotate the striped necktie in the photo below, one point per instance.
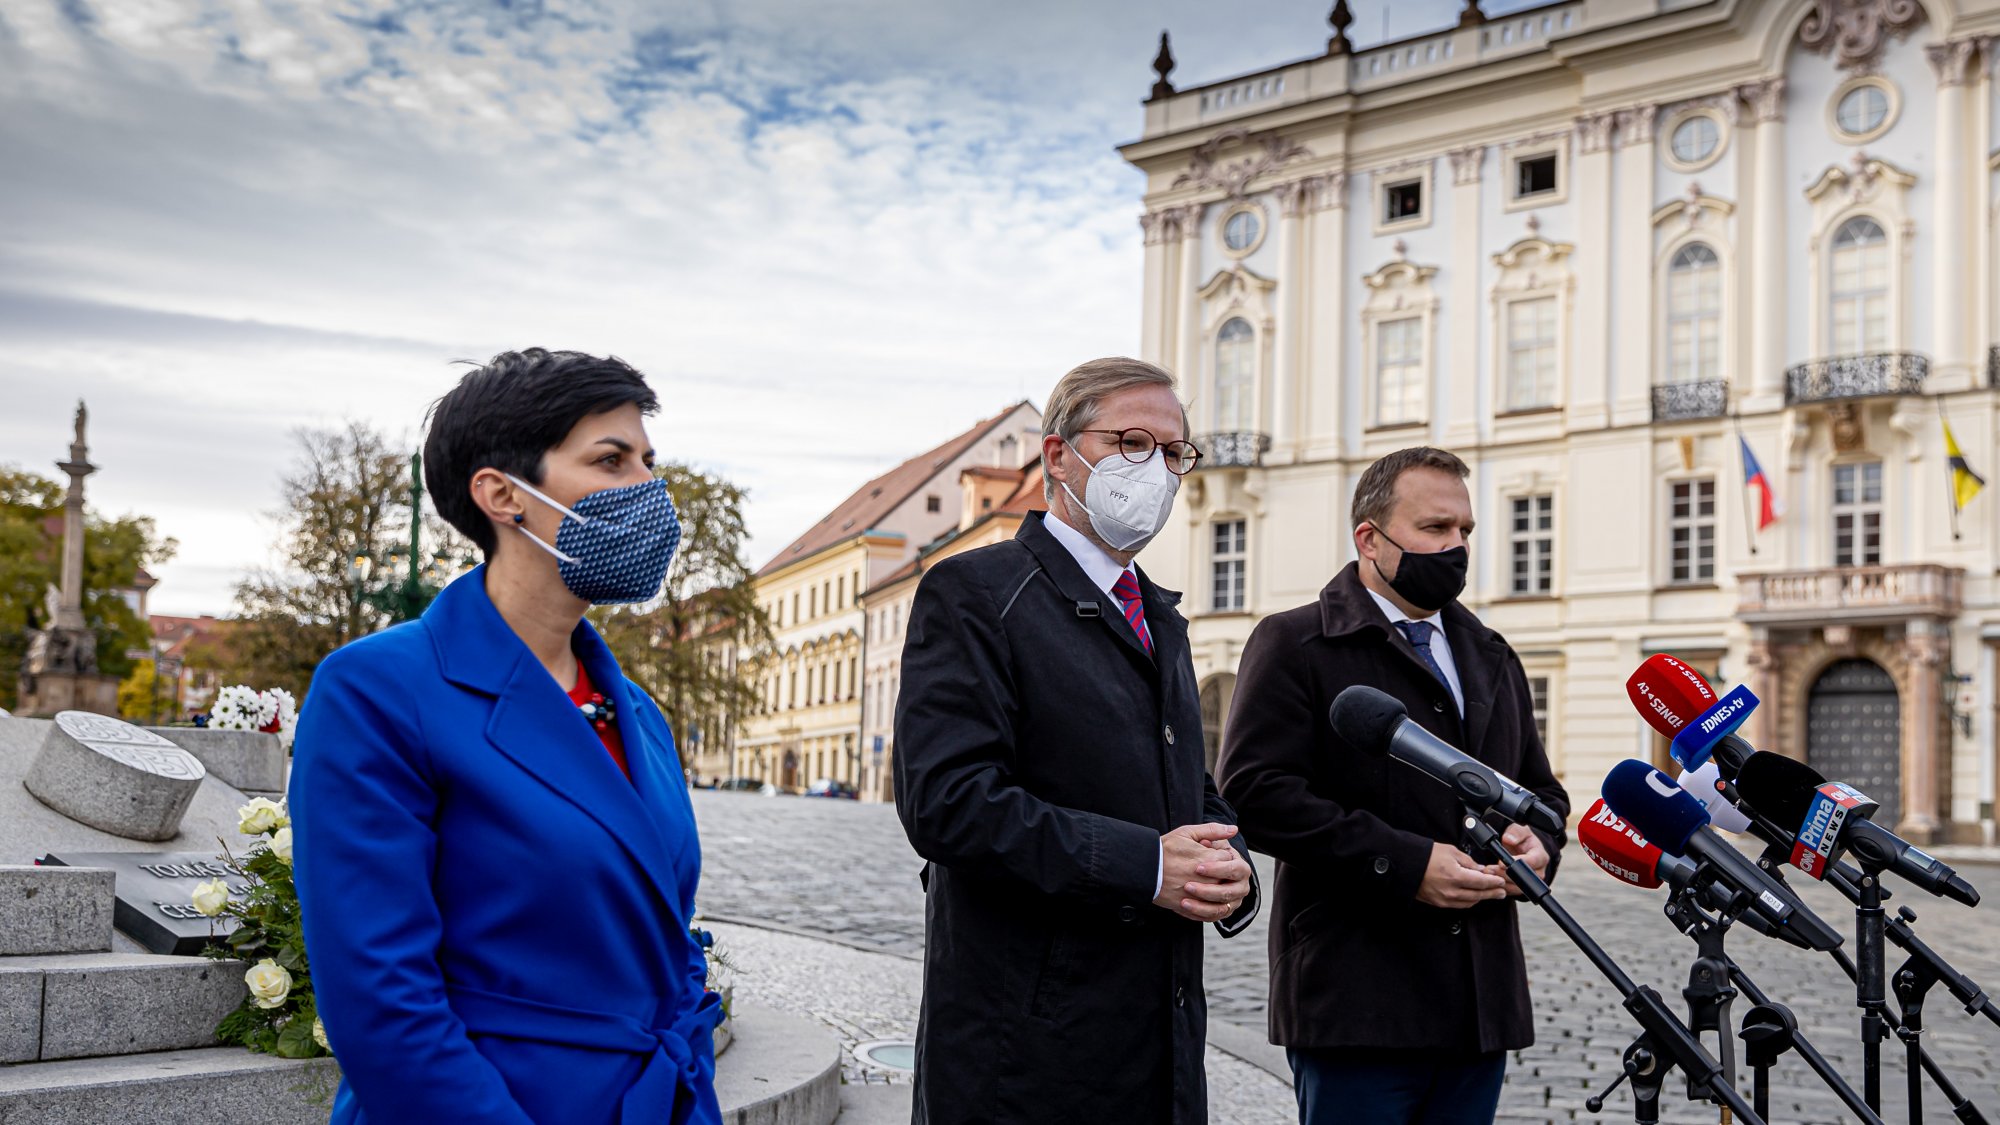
[{"x": 1126, "y": 590}]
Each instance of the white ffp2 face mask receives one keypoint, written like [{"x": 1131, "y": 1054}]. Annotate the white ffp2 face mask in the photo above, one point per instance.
[{"x": 1128, "y": 500}]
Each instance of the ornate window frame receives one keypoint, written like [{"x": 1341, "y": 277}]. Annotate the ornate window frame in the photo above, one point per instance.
[
  {"x": 1697, "y": 218},
  {"x": 1877, "y": 190},
  {"x": 1244, "y": 206},
  {"x": 1510, "y": 162},
  {"x": 1236, "y": 292},
  {"x": 1724, "y": 133},
  {"x": 1889, "y": 90},
  {"x": 1399, "y": 290},
  {"x": 1531, "y": 269},
  {"x": 1381, "y": 179}
]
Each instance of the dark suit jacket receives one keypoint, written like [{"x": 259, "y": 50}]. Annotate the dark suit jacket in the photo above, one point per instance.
[
  {"x": 1040, "y": 755},
  {"x": 1356, "y": 961}
]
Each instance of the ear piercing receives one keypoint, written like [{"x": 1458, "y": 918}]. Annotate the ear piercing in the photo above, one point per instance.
[{"x": 520, "y": 517}]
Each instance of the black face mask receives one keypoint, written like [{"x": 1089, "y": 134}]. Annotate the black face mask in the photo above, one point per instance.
[{"x": 1428, "y": 581}]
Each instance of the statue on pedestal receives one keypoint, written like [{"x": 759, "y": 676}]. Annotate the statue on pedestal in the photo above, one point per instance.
[{"x": 60, "y": 671}]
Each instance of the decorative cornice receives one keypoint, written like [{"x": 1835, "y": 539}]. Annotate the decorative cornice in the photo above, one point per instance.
[
  {"x": 1549, "y": 252},
  {"x": 1239, "y": 278},
  {"x": 1154, "y": 223},
  {"x": 1593, "y": 132},
  {"x": 1535, "y": 139},
  {"x": 1766, "y": 99},
  {"x": 1855, "y": 32},
  {"x": 1291, "y": 198},
  {"x": 1859, "y": 179},
  {"x": 1635, "y": 125},
  {"x": 1399, "y": 272},
  {"x": 1399, "y": 168},
  {"x": 1466, "y": 163},
  {"x": 1326, "y": 191},
  {"x": 1187, "y": 220},
  {"x": 1693, "y": 208},
  {"x": 1952, "y": 62},
  {"x": 1205, "y": 172}
]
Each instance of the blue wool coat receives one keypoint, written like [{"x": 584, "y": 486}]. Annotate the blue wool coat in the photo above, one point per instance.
[{"x": 496, "y": 919}]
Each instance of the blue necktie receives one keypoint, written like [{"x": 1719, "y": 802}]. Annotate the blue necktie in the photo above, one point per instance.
[{"x": 1419, "y": 633}]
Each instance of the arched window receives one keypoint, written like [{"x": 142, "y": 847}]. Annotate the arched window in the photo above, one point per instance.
[
  {"x": 1860, "y": 288},
  {"x": 1234, "y": 366},
  {"x": 1694, "y": 315}
]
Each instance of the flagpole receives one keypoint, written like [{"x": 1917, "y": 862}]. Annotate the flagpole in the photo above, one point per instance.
[
  {"x": 1743, "y": 489},
  {"x": 1950, "y": 477}
]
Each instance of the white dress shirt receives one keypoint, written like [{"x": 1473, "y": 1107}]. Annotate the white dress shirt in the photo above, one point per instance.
[
  {"x": 1440, "y": 645},
  {"x": 1104, "y": 573}
]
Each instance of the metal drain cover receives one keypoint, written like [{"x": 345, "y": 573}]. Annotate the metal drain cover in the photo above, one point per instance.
[{"x": 888, "y": 1054}]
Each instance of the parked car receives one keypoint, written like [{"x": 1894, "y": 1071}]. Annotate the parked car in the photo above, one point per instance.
[
  {"x": 748, "y": 785},
  {"x": 829, "y": 787}
]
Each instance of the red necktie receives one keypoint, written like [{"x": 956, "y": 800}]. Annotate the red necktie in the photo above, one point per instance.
[{"x": 1127, "y": 592}]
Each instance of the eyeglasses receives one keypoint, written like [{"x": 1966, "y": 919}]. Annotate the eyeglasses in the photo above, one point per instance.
[{"x": 1137, "y": 446}]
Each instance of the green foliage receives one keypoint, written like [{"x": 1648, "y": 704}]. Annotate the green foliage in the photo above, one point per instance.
[
  {"x": 268, "y": 925},
  {"x": 136, "y": 701},
  {"x": 682, "y": 647},
  {"x": 31, "y": 562}
]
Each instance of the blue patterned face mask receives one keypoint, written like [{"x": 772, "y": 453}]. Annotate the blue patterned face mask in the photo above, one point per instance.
[{"x": 615, "y": 545}]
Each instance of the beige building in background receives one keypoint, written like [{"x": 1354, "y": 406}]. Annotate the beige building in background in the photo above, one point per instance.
[
  {"x": 809, "y": 725},
  {"x": 1583, "y": 246}
]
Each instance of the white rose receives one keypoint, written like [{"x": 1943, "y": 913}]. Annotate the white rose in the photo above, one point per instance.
[
  {"x": 269, "y": 982},
  {"x": 281, "y": 845},
  {"x": 261, "y": 815},
  {"x": 211, "y": 897},
  {"x": 319, "y": 1036}
]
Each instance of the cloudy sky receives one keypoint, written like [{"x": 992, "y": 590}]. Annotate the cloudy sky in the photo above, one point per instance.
[{"x": 831, "y": 233}]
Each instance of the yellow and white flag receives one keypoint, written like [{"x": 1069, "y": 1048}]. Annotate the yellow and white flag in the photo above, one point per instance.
[{"x": 1965, "y": 484}]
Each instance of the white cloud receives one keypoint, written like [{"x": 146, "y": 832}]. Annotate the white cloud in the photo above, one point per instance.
[{"x": 221, "y": 219}]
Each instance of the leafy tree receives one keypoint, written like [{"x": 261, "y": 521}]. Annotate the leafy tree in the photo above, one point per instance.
[
  {"x": 31, "y": 562},
  {"x": 681, "y": 647},
  {"x": 136, "y": 703},
  {"x": 345, "y": 498}
]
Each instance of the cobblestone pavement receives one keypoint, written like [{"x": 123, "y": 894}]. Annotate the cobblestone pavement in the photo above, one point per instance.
[{"x": 844, "y": 870}]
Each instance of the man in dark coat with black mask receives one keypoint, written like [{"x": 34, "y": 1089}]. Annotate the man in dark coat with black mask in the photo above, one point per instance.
[
  {"x": 1397, "y": 979},
  {"x": 1049, "y": 766}
]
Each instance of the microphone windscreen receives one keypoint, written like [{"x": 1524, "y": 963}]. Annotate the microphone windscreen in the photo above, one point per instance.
[
  {"x": 1668, "y": 693},
  {"x": 1366, "y": 717},
  {"x": 1778, "y": 787},
  {"x": 1612, "y": 844},
  {"x": 1651, "y": 803},
  {"x": 1701, "y": 784}
]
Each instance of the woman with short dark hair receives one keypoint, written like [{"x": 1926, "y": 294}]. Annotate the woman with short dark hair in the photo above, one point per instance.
[{"x": 495, "y": 852}]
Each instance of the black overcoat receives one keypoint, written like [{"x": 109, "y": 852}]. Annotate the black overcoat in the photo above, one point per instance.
[
  {"x": 1356, "y": 960},
  {"x": 1040, "y": 756}
]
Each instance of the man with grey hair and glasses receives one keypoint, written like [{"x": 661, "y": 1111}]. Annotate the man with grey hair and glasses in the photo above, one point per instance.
[{"x": 1049, "y": 767}]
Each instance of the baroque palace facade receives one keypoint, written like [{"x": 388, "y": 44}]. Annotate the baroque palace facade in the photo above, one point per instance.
[{"x": 1586, "y": 246}]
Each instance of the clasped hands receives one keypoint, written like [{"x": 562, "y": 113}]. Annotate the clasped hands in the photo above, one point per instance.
[
  {"x": 1453, "y": 881},
  {"x": 1204, "y": 878}
]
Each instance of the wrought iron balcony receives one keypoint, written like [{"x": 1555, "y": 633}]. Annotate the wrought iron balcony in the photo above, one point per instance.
[
  {"x": 1850, "y": 592},
  {"x": 1674, "y": 402},
  {"x": 1238, "y": 450},
  {"x": 1857, "y": 376}
]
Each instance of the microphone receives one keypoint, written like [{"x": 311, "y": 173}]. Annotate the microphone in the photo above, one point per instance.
[
  {"x": 1378, "y": 723},
  {"x": 1833, "y": 817},
  {"x": 1678, "y": 702},
  {"x": 1665, "y": 814},
  {"x": 1705, "y": 785},
  {"x": 1625, "y": 855}
]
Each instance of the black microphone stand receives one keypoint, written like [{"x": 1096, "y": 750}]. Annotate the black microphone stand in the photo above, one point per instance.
[
  {"x": 1918, "y": 973},
  {"x": 1663, "y": 1037},
  {"x": 1769, "y": 1028}
]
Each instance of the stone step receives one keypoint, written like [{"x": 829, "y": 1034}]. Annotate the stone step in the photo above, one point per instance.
[
  {"x": 81, "y": 1005},
  {"x": 54, "y": 910},
  {"x": 875, "y": 1104},
  {"x": 780, "y": 1069},
  {"x": 198, "y": 1087}
]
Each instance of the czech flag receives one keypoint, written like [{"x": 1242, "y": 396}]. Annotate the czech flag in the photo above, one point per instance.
[{"x": 1753, "y": 477}]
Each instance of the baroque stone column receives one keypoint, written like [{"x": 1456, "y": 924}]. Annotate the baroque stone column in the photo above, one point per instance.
[
  {"x": 1766, "y": 102},
  {"x": 1154, "y": 318},
  {"x": 1464, "y": 307},
  {"x": 1923, "y": 651},
  {"x": 1762, "y": 726},
  {"x": 1627, "y": 383},
  {"x": 1325, "y": 319},
  {"x": 1588, "y": 400},
  {"x": 1950, "y": 288},
  {"x": 1187, "y": 224},
  {"x": 1283, "y": 408}
]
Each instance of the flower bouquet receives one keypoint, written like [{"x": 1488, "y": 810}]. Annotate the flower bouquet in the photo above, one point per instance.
[
  {"x": 243, "y": 708},
  {"x": 279, "y": 1017}
]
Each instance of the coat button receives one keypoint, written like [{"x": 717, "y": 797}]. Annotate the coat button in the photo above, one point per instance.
[
  {"x": 1457, "y": 928},
  {"x": 1126, "y": 914},
  {"x": 1170, "y": 736},
  {"x": 1180, "y": 997},
  {"x": 1381, "y": 865}
]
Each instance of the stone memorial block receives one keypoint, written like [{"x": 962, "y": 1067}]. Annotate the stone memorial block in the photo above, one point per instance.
[
  {"x": 155, "y": 895},
  {"x": 54, "y": 910},
  {"x": 114, "y": 777},
  {"x": 250, "y": 760}
]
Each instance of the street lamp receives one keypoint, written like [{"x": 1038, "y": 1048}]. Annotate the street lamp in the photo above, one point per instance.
[{"x": 422, "y": 577}]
